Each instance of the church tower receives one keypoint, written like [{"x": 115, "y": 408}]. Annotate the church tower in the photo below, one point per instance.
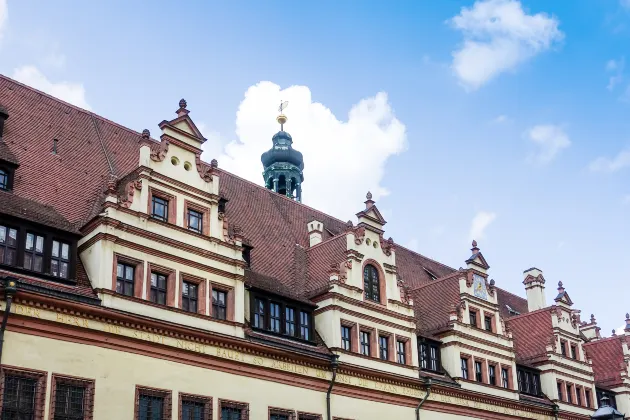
[{"x": 283, "y": 165}]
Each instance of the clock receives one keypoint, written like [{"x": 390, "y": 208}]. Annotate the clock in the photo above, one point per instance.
[{"x": 479, "y": 287}]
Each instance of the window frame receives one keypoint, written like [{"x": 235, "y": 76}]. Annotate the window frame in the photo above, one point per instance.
[
  {"x": 166, "y": 395},
  {"x": 308, "y": 416},
  {"x": 275, "y": 411},
  {"x": 123, "y": 280},
  {"x": 371, "y": 285},
  {"x": 464, "y": 361},
  {"x": 33, "y": 252},
  {"x": 346, "y": 341},
  {"x": 198, "y": 216},
  {"x": 40, "y": 379},
  {"x": 367, "y": 345},
  {"x": 492, "y": 374},
  {"x": 473, "y": 317},
  {"x": 202, "y": 286},
  {"x": 158, "y": 200},
  {"x": 478, "y": 369},
  {"x": 300, "y": 311},
  {"x": 383, "y": 352},
  {"x": 9, "y": 170},
  {"x": 171, "y": 207},
  {"x": 190, "y": 297},
  {"x": 60, "y": 260},
  {"x": 205, "y": 400},
  {"x": 505, "y": 377},
  {"x": 528, "y": 381},
  {"x": 88, "y": 396},
  {"x": 4, "y": 248},
  {"x": 424, "y": 354},
  {"x": 573, "y": 351},
  {"x": 235, "y": 405},
  {"x": 487, "y": 323},
  {"x": 157, "y": 289}
]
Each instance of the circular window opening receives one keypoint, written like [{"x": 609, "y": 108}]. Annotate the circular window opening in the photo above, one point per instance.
[
  {"x": 187, "y": 166},
  {"x": 375, "y": 244},
  {"x": 174, "y": 161},
  {"x": 368, "y": 241}
]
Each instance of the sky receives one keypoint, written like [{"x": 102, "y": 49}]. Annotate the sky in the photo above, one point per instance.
[{"x": 503, "y": 121}]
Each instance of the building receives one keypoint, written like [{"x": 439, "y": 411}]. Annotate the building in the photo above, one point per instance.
[{"x": 146, "y": 283}]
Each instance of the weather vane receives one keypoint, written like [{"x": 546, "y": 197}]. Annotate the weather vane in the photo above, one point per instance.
[{"x": 282, "y": 118}]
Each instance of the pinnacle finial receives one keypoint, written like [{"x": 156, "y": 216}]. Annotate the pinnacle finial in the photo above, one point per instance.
[
  {"x": 474, "y": 244},
  {"x": 627, "y": 315},
  {"x": 146, "y": 134},
  {"x": 614, "y": 333},
  {"x": 560, "y": 284},
  {"x": 182, "y": 103},
  {"x": 368, "y": 195}
]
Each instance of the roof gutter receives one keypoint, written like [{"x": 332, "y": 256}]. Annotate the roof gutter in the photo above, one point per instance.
[
  {"x": 334, "y": 364},
  {"x": 428, "y": 383},
  {"x": 9, "y": 291}
]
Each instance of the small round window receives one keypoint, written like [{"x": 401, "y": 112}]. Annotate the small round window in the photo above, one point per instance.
[{"x": 174, "y": 161}]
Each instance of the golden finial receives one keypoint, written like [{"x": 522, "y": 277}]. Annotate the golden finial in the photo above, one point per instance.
[{"x": 282, "y": 119}]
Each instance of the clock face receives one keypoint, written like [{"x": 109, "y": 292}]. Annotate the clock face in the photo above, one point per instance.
[{"x": 479, "y": 287}]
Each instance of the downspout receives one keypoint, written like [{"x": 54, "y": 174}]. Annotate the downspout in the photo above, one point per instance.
[
  {"x": 555, "y": 411},
  {"x": 9, "y": 291},
  {"x": 334, "y": 364},
  {"x": 428, "y": 383}
]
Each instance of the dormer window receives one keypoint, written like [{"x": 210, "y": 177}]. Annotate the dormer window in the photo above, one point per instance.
[
  {"x": 34, "y": 252},
  {"x": 159, "y": 208},
  {"x": 281, "y": 317},
  {"x": 60, "y": 259},
  {"x": 8, "y": 245},
  {"x": 371, "y": 284},
  {"x": 4, "y": 179},
  {"x": 528, "y": 381}
]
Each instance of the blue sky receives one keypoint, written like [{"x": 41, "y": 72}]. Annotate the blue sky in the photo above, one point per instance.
[{"x": 497, "y": 119}]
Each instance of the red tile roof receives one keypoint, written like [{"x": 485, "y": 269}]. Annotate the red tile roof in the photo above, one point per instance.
[
  {"x": 433, "y": 301},
  {"x": 608, "y": 362},
  {"x": 532, "y": 332}
]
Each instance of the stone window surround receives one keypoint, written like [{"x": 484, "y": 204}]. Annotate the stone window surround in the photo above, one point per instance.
[{"x": 88, "y": 384}]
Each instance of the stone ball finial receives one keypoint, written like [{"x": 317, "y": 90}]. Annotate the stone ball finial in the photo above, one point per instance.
[
  {"x": 368, "y": 195},
  {"x": 214, "y": 163},
  {"x": 474, "y": 243},
  {"x": 627, "y": 315},
  {"x": 182, "y": 103},
  {"x": 560, "y": 283},
  {"x": 614, "y": 333},
  {"x": 146, "y": 134},
  {"x": 492, "y": 282}
]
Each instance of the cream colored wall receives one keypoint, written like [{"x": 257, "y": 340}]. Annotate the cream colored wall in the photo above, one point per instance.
[
  {"x": 623, "y": 397},
  {"x": 117, "y": 373}
]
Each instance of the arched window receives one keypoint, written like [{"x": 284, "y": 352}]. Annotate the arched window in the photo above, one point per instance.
[{"x": 371, "y": 283}]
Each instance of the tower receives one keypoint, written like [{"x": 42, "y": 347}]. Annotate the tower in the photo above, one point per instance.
[{"x": 283, "y": 165}]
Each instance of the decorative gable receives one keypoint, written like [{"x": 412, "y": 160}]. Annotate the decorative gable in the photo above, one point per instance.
[
  {"x": 371, "y": 217},
  {"x": 476, "y": 260},
  {"x": 183, "y": 128}
]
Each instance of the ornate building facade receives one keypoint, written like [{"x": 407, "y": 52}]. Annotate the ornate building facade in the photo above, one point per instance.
[{"x": 140, "y": 282}]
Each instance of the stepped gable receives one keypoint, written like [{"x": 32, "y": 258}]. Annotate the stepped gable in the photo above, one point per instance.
[
  {"x": 608, "y": 360},
  {"x": 91, "y": 150},
  {"x": 532, "y": 333}
]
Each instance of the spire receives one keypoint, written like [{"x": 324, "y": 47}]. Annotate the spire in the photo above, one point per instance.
[{"x": 283, "y": 166}]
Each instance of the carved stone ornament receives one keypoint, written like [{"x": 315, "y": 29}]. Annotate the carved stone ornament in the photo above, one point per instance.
[
  {"x": 359, "y": 235},
  {"x": 126, "y": 199},
  {"x": 159, "y": 151},
  {"x": 348, "y": 264},
  {"x": 404, "y": 291},
  {"x": 387, "y": 246},
  {"x": 204, "y": 172}
]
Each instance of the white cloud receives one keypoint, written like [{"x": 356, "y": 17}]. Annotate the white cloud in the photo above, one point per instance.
[
  {"x": 501, "y": 119},
  {"x": 480, "y": 223},
  {"x": 616, "y": 68},
  {"x": 498, "y": 36},
  {"x": 342, "y": 159},
  {"x": 73, "y": 93},
  {"x": 550, "y": 139},
  {"x": 4, "y": 16},
  {"x": 625, "y": 4},
  {"x": 603, "y": 164}
]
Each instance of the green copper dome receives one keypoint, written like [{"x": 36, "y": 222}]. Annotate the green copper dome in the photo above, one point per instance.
[{"x": 283, "y": 167}]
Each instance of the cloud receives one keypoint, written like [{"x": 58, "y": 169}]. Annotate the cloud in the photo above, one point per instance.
[
  {"x": 501, "y": 119},
  {"x": 342, "y": 159},
  {"x": 73, "y": 93},
  {"x": 616, "y": 68},
  {"x": 498, "y": 36},
  {"x": 550, "y": 139},
  {"x": 603, "y": 164},
  {"x": 480, "y": 222},
  {"x": 625, "y": 4},
  {"x": 4, "y": 16}
]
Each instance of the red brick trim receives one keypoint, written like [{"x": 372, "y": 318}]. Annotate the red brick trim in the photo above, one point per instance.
[
  {"x": 88, "y": 398},
  {"x": 281, "y": 411},
  {"x": 244, "y": 407},
  {"x": 206, "y": 401},
  {"x": 170, "y": 282},
  {"x": 382, "y": 282},
  {"x": 40, "y": 386},
  {"x": 205, "y": 220},
  {"x": 201, "y": 291},
  {"x": 138, "y": 274},
  {"x": 164, "y": 393}
]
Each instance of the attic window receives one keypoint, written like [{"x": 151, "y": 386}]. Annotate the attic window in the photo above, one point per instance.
[
  {"x": 6, "y": 177},
  {"x": 54, "y": 147},
  {"x": 222, "y": 203},
  {"x": 512, "y": 311},
  {"x": 247, "y": 255}
]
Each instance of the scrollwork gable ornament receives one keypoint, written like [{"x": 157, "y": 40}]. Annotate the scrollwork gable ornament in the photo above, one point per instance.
[
  {"x": 359, "y": 235},
  {"x": 126, "y": 199},
  {"x": 159, "y": 151},
  {"x": 204, "y": 171}
]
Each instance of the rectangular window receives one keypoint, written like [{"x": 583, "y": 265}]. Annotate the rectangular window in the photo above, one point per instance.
[
  {"x": 505, "y": 381},
  {"x": 464, "y": 363},
  {"x": 219, "y": 304},
  {"x": 401, "y": 354},
  {"x": 195, "y": 221},
  {"x": 433, "y": 358},
  {"x": 569, "y": 393},
  {"x": 289, "y": 318},
  {"x": 231, "y": 413},
  {"x": 34, "y": 252},
  {"x": 383, "y": 343},
  {"x": 563, "y": 348},
  {"x": 587, "y": 397},
  {"x": 124, "y": 279},
  {"x": 274, "y": 317},
  {"x": 19, "y": 397},
  {"x": 574, "y": 352},
  {"x": 190, "y": 296},
  {"x": 365, "y": 343},
  {"x": 60, "y": 259},
  {"x": 473, "y": 318},
  {"x": 305, "y": 325},
  {"x": 193, "y": 410},
  {"x": 150, "y": 407},
  {"x": 8, "y": 245},
  {"x": 492, "y": 378},
  {"x": 158, "y": 288},
  {"x": 429, "y": 356},
  {"x": 69, "y": 402},
  {"x": 278, "y": 417},
  {"x": 259, "y": 313},
  {"x": 4, "y": 179},
  {"x": 578, "y": 396},
  {"x": 559, "y": 391},
  {"x": 346, "y": 340},
  {"x": 478, "y": 374},
  {"x": 159, "y": 209},
  {"x": 487, "y": 323}
]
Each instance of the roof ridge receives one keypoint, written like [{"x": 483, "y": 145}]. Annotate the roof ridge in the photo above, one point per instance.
[
  {"x": 616, "y": 337},
  {"x": 425, "y": 257},
  {"x": 510, "y": 293},
  {"x": 546, "y": 308},
  {"x": 436, "y": 281},
  {"x": 332, "y": 238}
]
